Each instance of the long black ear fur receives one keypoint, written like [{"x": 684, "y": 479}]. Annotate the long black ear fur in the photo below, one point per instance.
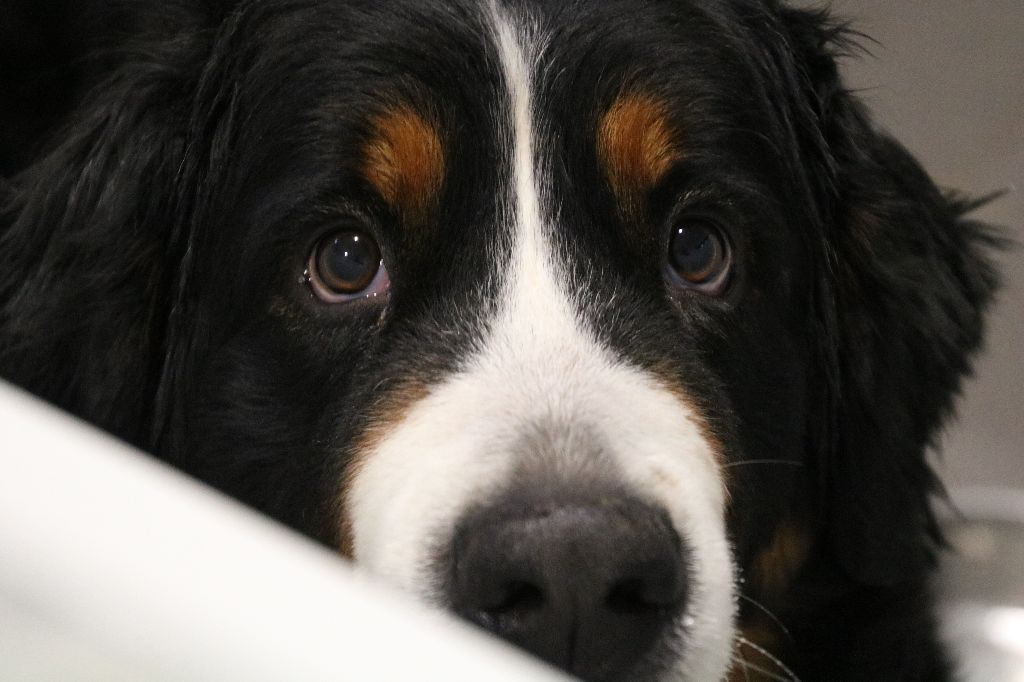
[
  {"x": 904, "y": 289},
  {"x": 85, "y": 231}
]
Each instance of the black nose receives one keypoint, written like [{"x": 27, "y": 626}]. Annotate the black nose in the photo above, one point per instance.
[{"x": 590, "y": 586}]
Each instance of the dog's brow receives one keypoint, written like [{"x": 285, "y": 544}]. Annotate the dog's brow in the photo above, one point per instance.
[
  {"x": 636, "y": 146},
  {"x": 404, "y": 160}
]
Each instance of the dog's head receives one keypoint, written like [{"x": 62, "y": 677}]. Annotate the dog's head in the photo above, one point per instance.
[{"x": 586, "y": 322}]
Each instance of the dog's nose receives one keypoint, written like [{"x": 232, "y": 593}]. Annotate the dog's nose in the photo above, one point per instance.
[{"x": 590, "y": 587}]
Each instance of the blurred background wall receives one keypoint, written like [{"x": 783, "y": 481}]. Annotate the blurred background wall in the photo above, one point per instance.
[{"x": 947, "y": 78}]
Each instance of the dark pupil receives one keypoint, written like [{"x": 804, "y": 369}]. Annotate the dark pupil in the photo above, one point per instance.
[
  {"x": 695, "y": 252},
  {"x": 348, "y": 262}
]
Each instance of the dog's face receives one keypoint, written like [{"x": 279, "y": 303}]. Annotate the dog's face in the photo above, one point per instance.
[
  {"x": 505, "y": 278},
  {"x": 573, "y": 319}
]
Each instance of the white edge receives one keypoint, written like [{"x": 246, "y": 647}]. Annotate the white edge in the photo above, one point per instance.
[{"x": 112, "y": 561}]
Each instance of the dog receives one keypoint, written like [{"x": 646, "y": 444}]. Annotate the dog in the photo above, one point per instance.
[{"x": 618, "y": 329}]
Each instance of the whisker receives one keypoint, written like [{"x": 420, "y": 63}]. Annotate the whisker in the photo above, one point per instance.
[
  {"x": 764, "y": 609},
  {"x": 745, "y": 462},
  {"x": 764, "y": 652},
  {"x": 738, "y": 658},
  {"x": 747, "y": 666}
]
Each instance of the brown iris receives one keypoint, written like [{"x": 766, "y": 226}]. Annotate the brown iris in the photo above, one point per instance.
[
  {"x": 698, "y": 255},
  {"x": 346, "y": 262}
]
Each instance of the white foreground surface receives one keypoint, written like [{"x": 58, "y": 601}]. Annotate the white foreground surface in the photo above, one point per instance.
[{"x": 114, "y": 567}]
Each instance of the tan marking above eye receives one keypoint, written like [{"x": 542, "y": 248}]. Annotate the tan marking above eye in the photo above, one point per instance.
[
  {"x": 636, "y": 146},
  {"x": 404, "y": 160}
]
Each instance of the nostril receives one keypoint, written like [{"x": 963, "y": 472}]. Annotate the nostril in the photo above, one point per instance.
[
  {"x": 519, "y": 597},
  {"x": 515, "y": 605},
  {"x": 627, "y": 597},
  {"x": 638, "y": 595}
]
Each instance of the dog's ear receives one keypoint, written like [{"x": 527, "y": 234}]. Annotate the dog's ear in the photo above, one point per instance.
[
  {"x": 87, "y": 230},
  {"x": 40, "y": 47},
  {"x": 905, "y": 280}
]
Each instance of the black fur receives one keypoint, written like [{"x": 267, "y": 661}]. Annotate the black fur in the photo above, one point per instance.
[{"x": 150, "y": 248}]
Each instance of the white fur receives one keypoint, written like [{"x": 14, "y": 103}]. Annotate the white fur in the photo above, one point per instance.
[{"x": 538, "y": 364}]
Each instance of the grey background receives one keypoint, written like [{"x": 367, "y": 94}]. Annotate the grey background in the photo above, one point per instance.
[{"x": 947, "y": 78}]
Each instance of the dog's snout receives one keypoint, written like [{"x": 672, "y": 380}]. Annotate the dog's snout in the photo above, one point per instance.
[{"x": 589, "y": 586}]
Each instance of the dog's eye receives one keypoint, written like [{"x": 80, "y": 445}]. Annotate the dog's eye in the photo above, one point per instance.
[
  {"x": 699, "y": 257},
  {"x": 346, "y": 265}
]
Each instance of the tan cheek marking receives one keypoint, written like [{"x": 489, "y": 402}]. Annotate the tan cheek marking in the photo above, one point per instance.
[
  {"x": 404, "y": 160},
  {"x": 385, "y": 415},
  {"x": 666, "y": 378},
  {"x": 666, "y": 374},
  {"x": 775, "y": 566},
  {"x": 636, "y": 147},
  {"x": 773, "y": 571},
  {"x": 762, "y": 666}
]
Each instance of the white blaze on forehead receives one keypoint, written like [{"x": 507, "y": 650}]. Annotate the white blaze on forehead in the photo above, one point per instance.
[{"x": 539, "y": 365}]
